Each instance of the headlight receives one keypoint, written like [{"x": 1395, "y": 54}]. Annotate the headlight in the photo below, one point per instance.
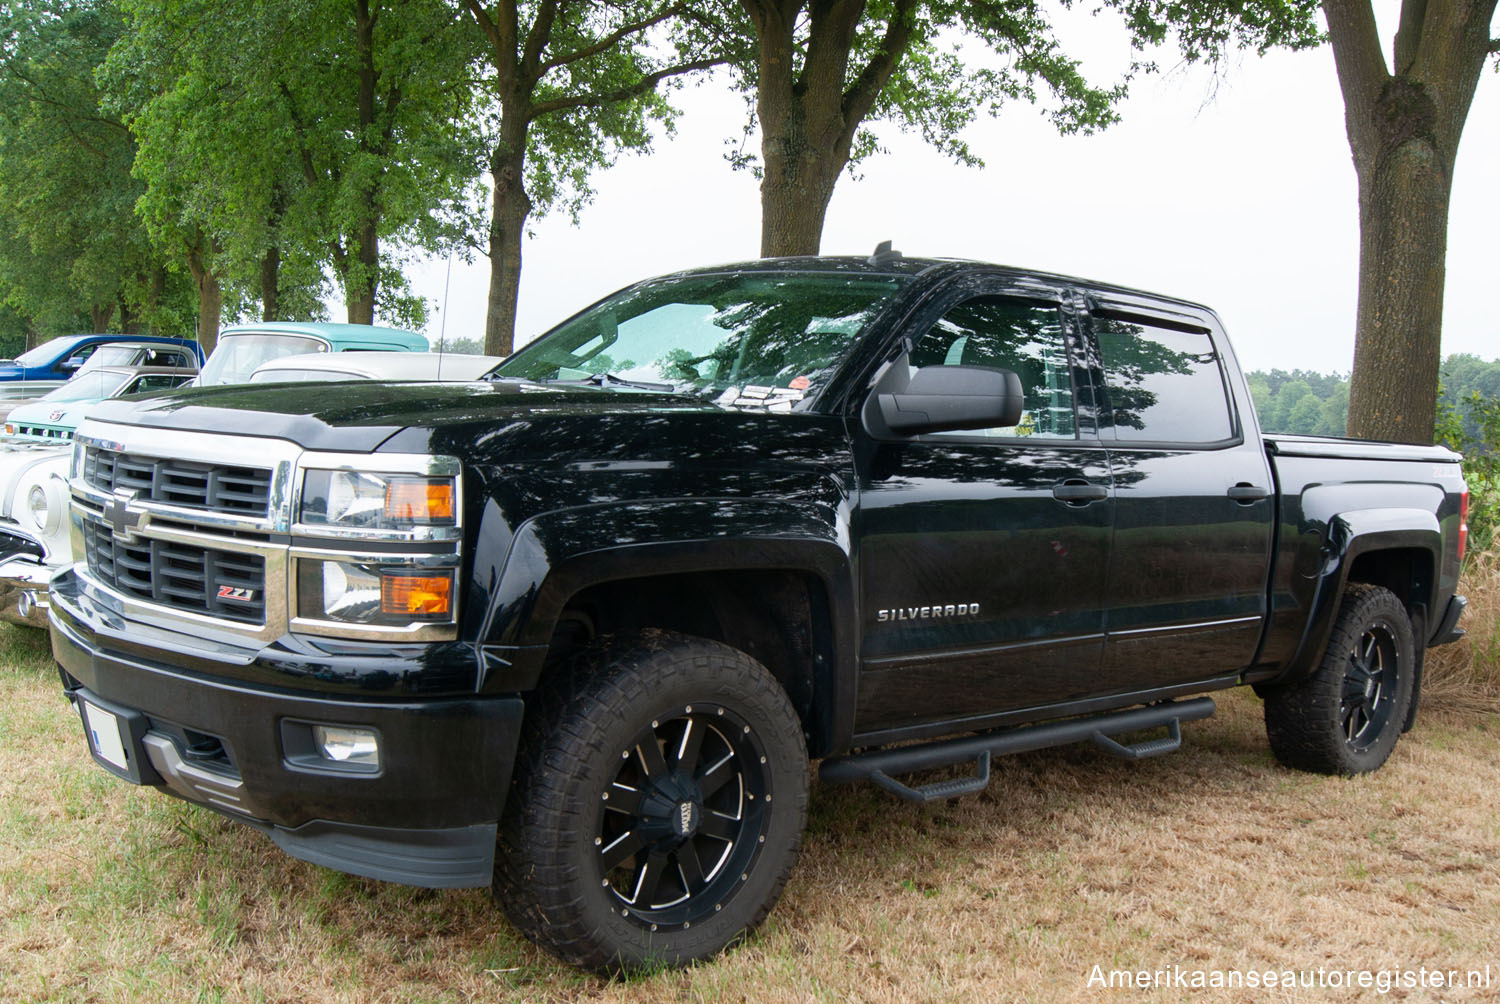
[
  {"x": 358, "y": 500},
  {"x": 357, "y": 593},
  {"x": 45, "y": 504},
  {"x": 36, "y": 503}
]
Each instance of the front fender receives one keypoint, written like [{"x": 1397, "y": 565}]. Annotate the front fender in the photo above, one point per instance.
[{"x": 554, "y": 556}]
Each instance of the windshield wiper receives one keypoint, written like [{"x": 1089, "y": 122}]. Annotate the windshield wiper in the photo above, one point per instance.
[{"x": 610, "y": 380}]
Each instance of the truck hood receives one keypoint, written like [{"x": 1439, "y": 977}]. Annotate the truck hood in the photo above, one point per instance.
[{"x": 364, "y": 416}]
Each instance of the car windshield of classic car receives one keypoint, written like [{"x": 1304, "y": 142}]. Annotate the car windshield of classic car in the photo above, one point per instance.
[
  {"x": 93, "y": 386},
  {"x": 782, "y": 333},
  {"x": 237, "y": 356}
]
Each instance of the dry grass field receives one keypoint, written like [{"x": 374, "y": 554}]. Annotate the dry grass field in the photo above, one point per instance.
[{"x": 1213, "y": 858}]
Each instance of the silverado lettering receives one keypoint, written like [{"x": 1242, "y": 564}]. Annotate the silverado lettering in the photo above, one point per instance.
[{"x": 923, "y": 613}]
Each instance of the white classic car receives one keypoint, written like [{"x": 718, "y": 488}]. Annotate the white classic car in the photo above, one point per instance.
[{"x": 33, "y": 529}]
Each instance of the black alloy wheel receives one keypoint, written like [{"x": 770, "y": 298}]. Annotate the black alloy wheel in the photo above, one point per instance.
[
  {"x": 680, "y": 824},
  {"x": 659, "y": 798},
  {"x": 1346, "y": 716},
  {"x": 1370, "y": 686}
]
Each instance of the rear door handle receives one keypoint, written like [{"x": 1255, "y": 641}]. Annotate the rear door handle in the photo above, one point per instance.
[
  {"x": 1076, "y": 491},
  {"x": 1245, "y": 493}
]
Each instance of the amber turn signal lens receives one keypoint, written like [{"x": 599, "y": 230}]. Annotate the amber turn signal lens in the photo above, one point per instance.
[
  {"x": 418, "y": 500},
  {"x": 425, "y": 596}
]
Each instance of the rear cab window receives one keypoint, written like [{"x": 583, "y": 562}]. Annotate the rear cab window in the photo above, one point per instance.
[{"x": 1163, "y": 382}]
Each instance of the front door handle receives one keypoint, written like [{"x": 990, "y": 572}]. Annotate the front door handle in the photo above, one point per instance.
[
  {"x": 1076, "y": 491},
  {"x": 1244, "y": 493}
]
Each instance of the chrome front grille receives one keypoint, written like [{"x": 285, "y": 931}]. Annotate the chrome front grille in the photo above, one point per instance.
[
  {"x": 172, "y": 529},
  {"x": 202, "y": 580},
  {"x": 44, "y": 432},
  {"x": 240, "y": 491}
]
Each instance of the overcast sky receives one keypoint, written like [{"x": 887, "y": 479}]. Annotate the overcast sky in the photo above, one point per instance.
[{"x": 1238, "y": 193}]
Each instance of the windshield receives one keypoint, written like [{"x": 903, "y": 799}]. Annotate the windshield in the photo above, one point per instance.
[
  {"x": 47, "y": 351},
  {"x": 109, "y": 355},
  {"x": 237, "y": 356},
  {"x": 772, "y": 336},
  {"x": 92, "y": 387}
]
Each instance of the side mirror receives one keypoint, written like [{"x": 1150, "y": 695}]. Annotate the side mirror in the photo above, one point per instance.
[
  {"x": 941, "y": 399},
  {"x": 70, "y": 364}
]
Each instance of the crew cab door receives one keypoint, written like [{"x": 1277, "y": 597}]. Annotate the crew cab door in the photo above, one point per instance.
[
  {"x": 1194, "y": 499},
  {"x": 982, "y": 554}
]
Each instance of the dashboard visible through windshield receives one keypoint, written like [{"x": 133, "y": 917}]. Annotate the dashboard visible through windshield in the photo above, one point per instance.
[{"x": 759, "y": 336}]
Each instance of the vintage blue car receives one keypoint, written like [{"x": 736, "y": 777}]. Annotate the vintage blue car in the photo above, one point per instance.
[{"x": 52, "y": 362}]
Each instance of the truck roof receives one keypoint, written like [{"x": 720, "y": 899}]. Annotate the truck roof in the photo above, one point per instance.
[{"x": 895, "y": 264}]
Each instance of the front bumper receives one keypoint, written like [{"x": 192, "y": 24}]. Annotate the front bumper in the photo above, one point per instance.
[
  {"x": 427, "y": 817},
  {"x": 24, "y": 579}
]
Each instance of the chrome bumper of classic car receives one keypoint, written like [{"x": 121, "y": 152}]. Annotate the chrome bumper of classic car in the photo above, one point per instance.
[{"x": 23, "y": 590}]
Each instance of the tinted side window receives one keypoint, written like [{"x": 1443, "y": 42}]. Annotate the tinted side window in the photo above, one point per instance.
[
  {"x": 148, "y": 382},
  {"x": 1010, "y": 334},
  {"x": 1163, "y": 383}
]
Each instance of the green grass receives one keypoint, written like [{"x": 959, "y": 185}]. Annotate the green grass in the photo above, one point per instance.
[{"x": 1214, "y": 856}]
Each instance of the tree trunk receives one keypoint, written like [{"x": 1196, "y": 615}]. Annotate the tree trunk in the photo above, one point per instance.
[
  {"x": 99, "y": 317},
  {"x": 1404, "y": 130},
  {"x": 800, "y": 125},
  {"x": 154, "y": 291},
  {"x": 510, "y": 208},
  {"x": 361, "y": 273},
  {"x": 795, "y": 191},
  {"x": 809, "y": 117},
  {"x": 130, "y": 322},
  {"x": 210, "y": 301},
  {"x": 1403, "y": 245},
  {"x": 270, "y": 276}
]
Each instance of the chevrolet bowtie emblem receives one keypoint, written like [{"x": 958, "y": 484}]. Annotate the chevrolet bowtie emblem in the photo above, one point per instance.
[{"x": 122, "y": 520}]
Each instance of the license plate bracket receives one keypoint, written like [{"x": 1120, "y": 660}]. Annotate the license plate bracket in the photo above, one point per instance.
[{"x": 114, "y": 735}]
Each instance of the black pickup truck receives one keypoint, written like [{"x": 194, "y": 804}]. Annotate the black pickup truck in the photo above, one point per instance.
[{"x": 576, "y": 629}]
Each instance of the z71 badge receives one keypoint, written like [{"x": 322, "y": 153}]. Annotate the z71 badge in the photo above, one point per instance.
[
  {"x": 927, "y": 613},
  {"x": 237, "y": 593}
]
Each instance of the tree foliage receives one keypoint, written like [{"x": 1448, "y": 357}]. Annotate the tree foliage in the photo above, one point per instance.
[
  {"x": 73, "y": 254},
  {"x": 574, "y": 85},
  {"x": 1300, "y": 401},
  {"x": 330, "y": 133},
  {"x": 823, "y": 72},
  {"x": 1308, "y": 403}
]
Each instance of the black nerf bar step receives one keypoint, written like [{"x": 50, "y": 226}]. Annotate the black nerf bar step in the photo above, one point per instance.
[{"x": 879, "y": 766}]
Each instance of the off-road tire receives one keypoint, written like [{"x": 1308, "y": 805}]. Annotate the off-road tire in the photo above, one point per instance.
[
  {"x": 1346, "y": 717},
  {"x": 590, "y": 734}
]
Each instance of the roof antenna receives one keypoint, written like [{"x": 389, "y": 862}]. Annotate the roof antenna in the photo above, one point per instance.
[
  {"x": 443, "y": 322},
  {"x": 883, "y": 253}
]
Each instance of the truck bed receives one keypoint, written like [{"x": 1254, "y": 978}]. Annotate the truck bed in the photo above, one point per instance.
[{"x": 1288, "y": 445}]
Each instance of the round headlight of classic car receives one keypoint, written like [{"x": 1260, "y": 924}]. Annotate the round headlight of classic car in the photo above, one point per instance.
[
  {"x": 36, "y": 503},
  {"x": 44, "y": 505}
]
